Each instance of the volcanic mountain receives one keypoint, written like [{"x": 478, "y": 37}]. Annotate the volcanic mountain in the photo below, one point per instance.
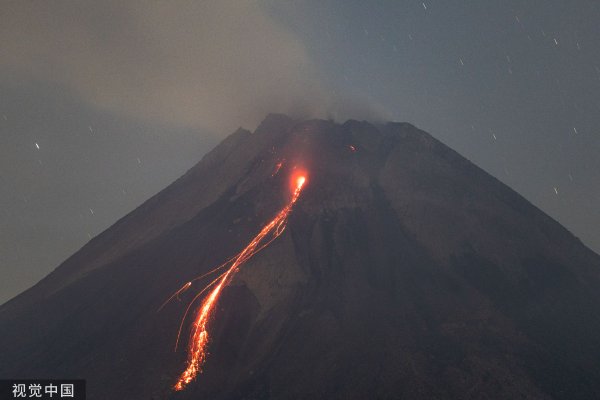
[{"x": 404, "y": 272}]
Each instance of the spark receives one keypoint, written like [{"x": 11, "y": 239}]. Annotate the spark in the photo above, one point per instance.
[
  {"x": 185, "y": 287},
  {"x": 37, "y": 146},
  {"x": 352, "y": 148},
  {"x": 200, "y": 336},
  {"x": 278, "y": 167},
  {"x": 556, "y": 190},
  {"x": 424, "y": 6}
]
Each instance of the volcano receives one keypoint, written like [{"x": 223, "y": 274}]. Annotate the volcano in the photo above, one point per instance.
[{"x": 403, "y": 272}]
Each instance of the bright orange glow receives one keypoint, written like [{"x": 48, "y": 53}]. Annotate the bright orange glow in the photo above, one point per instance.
[
  {"x": 298, "y": 178},
  {"x": 199, "y": 336}
]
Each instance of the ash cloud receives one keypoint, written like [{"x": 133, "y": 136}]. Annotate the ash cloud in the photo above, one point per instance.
[{"x": 212, "y": 65}]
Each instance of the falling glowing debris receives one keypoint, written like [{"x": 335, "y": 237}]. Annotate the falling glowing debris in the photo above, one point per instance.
[
  {"x": 37, "y": 146},
  {"x": 278, "y": 167},
  {"x": 176, "y": 294},
  {"x": 199, "y": 337},
  {"x": 352, "y": 148}
]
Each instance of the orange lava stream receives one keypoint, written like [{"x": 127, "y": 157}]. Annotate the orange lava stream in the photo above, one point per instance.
[
  {"x": 199, "y": 338},
  {"x": 187, "y": 285}
]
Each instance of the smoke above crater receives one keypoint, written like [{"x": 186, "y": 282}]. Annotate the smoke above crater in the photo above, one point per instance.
[{"x": 211, "y": 65}]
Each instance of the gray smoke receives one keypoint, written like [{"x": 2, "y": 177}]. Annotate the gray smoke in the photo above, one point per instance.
[{"x": 211, "y": 64}]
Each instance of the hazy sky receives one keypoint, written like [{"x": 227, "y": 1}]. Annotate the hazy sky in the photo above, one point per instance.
[{"x": 104, "y": 103}]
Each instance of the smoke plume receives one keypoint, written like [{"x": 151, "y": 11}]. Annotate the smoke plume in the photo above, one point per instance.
[{"x": 215, "y": 65}]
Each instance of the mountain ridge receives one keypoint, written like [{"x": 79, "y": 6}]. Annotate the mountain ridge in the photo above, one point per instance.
[{"x": 405, "y": 271}]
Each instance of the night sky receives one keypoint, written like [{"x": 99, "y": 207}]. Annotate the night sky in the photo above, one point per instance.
[{"x": 104, "y": 104}]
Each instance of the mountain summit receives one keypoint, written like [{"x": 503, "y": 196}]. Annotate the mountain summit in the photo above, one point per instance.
[{"x": 404, "y": 271}]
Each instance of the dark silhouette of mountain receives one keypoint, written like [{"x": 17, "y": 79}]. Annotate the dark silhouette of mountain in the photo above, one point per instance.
[{"x": 405, "y": 272}]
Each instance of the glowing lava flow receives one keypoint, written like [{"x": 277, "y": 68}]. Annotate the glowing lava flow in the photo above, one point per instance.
[{"x": 199, "y": 337}]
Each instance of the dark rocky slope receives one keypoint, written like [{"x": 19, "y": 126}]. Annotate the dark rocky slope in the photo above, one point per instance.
[{"x": 405, "y": 272}]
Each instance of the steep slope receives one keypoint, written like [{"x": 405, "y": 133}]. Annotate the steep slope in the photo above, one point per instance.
[{"x": 405, "y": 272}]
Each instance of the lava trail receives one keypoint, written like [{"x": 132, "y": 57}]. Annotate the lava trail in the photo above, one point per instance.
[{"x": 199, "y": 336}]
